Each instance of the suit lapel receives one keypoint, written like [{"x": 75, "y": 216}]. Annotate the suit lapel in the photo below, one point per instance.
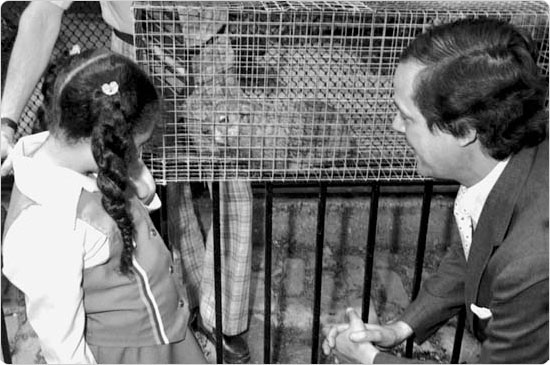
[{"x": 494, "y": 221}]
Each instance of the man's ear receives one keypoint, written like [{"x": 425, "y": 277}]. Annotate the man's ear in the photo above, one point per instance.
[
  {"x": 470, "y": 134},
  {"x": 469, "y": 138}
]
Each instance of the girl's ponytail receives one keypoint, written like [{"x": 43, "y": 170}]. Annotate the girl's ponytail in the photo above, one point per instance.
[
  {"x": 107, "y": 98},
  {"x": 113, "y": 150}
]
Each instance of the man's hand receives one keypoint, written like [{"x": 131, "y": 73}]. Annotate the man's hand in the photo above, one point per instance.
[
  {"x": 338, "y": 341},
  {"x": 330, "y": 340},
  {"x": 388, "y": 335}
]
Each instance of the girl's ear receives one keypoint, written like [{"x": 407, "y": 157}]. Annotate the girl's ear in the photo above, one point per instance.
[{"x": 83, "y": 152}]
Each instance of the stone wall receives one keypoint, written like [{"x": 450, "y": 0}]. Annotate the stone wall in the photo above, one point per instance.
[{"x": 346, "y": 229}]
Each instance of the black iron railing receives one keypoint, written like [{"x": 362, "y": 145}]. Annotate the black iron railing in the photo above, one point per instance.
[{"x": 374, "y": 191}]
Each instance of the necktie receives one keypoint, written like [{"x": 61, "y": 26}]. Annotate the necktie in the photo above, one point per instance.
[{"x": 463, "y": 221}]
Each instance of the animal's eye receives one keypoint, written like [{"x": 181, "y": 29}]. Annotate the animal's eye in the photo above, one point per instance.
[{"x": 244, "y": 117}]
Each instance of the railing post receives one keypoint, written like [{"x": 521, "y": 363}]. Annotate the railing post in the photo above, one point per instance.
[
  {"x": 321, "y": 208},
  {"x": 268, "y": 225},
  {"x": 420, "y": 250},
  {"x": 460, "y": 323},
  {"x": 371, "y": 242},
  {"x": 5, "y": 344},
  {"x": 217, "y": 269},
  {"x": 160, "y": 217}
]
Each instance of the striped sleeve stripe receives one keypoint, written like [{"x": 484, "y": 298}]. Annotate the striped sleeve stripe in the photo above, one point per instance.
[{"x": 151, "y": 304}]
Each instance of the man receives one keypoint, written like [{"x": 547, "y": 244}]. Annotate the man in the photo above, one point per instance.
[
  {"x": 38, "y": 31},
  {"x": 471, "y": 104}
]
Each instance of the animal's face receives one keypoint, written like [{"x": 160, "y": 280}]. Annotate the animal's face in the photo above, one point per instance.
[
  {"x": 227, "y": 127},
  {"x": 231, "y": 124}
]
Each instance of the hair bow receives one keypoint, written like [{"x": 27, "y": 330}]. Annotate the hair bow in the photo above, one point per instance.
[
  {"x": 110, "y": 88},
  {"x": 74, "y": 50}
]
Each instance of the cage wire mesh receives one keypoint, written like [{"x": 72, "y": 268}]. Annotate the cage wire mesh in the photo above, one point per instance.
[
  {"x": 291, "y": 90},
  {"x": 276, "y": 90},
  {"x": 82, "y": 24}
]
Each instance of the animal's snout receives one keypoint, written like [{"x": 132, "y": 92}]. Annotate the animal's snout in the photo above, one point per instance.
[{"x": 220, "y": 130}]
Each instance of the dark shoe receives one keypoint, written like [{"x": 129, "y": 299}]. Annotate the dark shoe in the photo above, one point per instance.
[{"x": 235, "y": 348}]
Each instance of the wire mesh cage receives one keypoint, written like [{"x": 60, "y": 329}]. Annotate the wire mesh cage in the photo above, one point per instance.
[
  {"x": 276, "y": 90},
  {"x": 287, "y": 90}
]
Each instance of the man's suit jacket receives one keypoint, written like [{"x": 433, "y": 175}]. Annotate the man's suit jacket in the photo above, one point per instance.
[{"x": 506, "y": 272}]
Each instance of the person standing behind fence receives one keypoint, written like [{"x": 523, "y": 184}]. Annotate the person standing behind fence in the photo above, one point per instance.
[
  {"x": 79, "y": 242},
  {"x": 471, "y": 104},
  {"x": 38, "y": 30}
]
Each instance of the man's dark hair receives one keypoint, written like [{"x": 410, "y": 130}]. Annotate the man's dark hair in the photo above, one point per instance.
[{"x": 481, "y": 74}]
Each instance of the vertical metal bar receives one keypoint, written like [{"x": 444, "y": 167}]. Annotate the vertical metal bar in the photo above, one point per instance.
[
  {"x": 268, "y": 225},
  {"x": 6, "y": 354},
  {"x": 5, "y": 344},
  {"x": 371, "y": 241},
  {"x": 460, "y": 323},
  {"x": 217, "y": 269},
  {"x": 321, "y": 208},
  {"x": 420, "y": 250},
  {"x": 160, "y": 217}
]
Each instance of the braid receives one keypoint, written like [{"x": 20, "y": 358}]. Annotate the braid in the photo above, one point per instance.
[
  {"x": 113, "y": 148},
  {"x": 77, "y": 108}
]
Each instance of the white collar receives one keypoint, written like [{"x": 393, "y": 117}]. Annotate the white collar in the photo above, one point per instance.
[
  {"x": 473, "y": 198},
  {"x": 45, "y": 183}
]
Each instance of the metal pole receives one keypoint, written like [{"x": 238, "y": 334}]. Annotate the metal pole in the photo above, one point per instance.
[
  {"x": 217, "y": 269},
  {"x": 321, "y": 208},
  {"x": 5, "y": 344},
  {"x": 461, "y": 322},
  {"x": 371, "y": 242},
  {"x": 160, "y": 217},
  {"x": 268, "y": 225}
]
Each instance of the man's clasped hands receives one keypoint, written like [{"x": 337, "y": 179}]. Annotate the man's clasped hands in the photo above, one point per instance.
[{"x": 359, "y": 342}]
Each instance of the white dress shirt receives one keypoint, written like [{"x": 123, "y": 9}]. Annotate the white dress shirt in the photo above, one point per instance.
[{"x": 469, "y": 204}]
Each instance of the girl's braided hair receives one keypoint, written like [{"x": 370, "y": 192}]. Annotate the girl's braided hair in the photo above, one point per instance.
[{"x": 76, "y": 107}]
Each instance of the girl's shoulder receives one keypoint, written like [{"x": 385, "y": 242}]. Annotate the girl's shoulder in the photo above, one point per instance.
[{"x": 90, "y": 210}]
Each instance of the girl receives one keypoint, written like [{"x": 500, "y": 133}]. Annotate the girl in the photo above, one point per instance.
[{"x": 79, "y": 243}]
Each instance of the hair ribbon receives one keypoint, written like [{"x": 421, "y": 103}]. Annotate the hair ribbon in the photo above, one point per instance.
[{"x": 110, "y": 88}]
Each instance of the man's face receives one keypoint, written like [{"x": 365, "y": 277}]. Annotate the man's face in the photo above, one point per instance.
[{"x": 437, "y": 152}]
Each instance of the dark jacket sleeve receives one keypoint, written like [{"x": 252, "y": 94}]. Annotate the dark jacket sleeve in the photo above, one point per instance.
[
  {"x": 440, "y": 298},
  {"x": 518, "y": 329}
]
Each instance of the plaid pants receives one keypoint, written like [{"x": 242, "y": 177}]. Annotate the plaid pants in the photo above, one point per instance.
[{"x": 198, "y": 260}]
